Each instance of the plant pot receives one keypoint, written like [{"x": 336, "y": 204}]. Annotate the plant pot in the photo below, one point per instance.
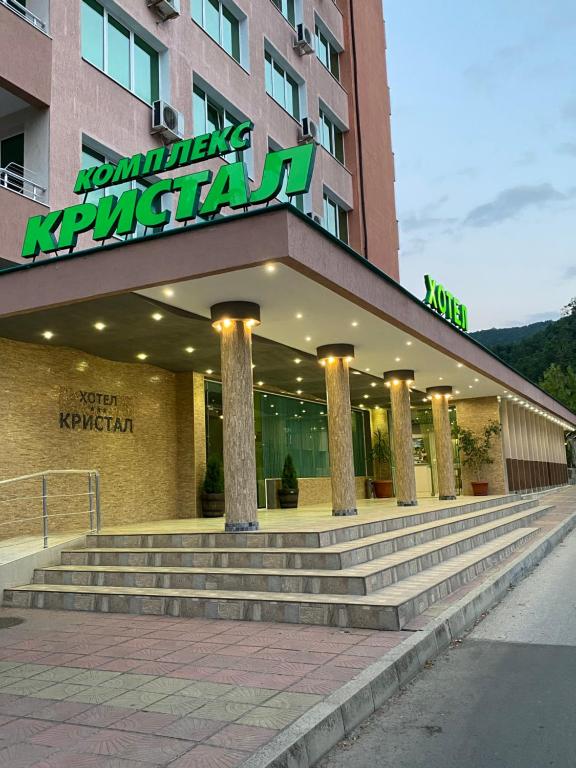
[
  {"x": 383, "y": 489},
  {"x": 480, "y": 488},
  {"x": 212, "y": 504},
  {"x": 288, "y": 498}
]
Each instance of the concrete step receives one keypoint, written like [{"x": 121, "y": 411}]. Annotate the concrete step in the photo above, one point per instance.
[
  {"x": 330, "y": 557},
  {"x": 389, "y": 608},
  {"x": 356, "y": 580},
  {"x": 349, "y": 529}
]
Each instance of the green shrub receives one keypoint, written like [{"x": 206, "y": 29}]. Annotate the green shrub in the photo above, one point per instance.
[
  {"x": 289, "y": 476},
  {"x": 214, "y": 479}
]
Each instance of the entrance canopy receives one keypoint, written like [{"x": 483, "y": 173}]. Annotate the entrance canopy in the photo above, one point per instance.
[{"x": 154, "y": 294}]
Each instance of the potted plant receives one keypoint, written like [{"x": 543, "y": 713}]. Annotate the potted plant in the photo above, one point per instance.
[
  {"x": 476, "y": 448},
  {"x": 382, "y": 457},
  {"x": 288, "y": 492},
  {"x": 213, "y": 488}
]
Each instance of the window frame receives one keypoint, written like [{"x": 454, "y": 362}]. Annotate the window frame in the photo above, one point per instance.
[
  {"x": 278, "y": 4},
  {"x": 134, "y": 39},
  {"x": 335, "y": 134},
  {"x": 236, "y": 14},
  {"x": 329, "y": 199},
  {"x": 277, "y": 64},
  {"x": 102, "y": 155},
  {"x": 332, "y": 46}
]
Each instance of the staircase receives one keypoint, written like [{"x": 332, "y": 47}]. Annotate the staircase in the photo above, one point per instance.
[{"x": 376, "y": 572}]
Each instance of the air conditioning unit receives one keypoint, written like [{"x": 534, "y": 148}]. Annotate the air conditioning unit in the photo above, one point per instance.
[
  {"x": 314, "y": 217},
  {"x": 303, "y": 42},
  {"x": 167, "y": 121},
  {"x": 309, "y": 130},
  {"x": 166, "y": 9}
]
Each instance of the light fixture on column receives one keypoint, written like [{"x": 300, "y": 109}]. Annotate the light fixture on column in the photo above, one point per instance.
[
  {"x": 440, "y": 391},
  {"x": 393, "y": 378},
  {"x": 329, "y": 353},
  {"x": 227, "y": 312}
]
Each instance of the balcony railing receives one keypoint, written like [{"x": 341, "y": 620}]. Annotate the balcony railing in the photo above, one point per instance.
[
  {"x": 21, "y": 10},
  {"x": 20, "y": 180}
]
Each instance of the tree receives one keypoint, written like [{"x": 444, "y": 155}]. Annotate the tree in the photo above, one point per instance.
[
  {"x": 560, "y": 382},
  {"x": 477, "y": 447},
  {"x": 570, "y": 309}
]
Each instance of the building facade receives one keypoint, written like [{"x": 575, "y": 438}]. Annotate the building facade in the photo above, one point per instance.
[{"x": 252, "y": 335}]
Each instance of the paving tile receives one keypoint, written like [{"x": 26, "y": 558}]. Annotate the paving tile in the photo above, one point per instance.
[
  {"x": 193, "y": 672},
  {"x": 63, "y": 735},
  {"x": 254, "y": 679},
  {"x": 227, "y": 711},
  {"x": 128, "y": 681},
  {"x": 18, "y": 706},
  {"x": 194, "y": 729},
  {"x": 244, "y": 737},
  {"x": 59, "y": 691},
  {"x": 28, "y": 670},
  {"x": 311, "y": 685},
  {"x": 61, "y": 659},
  {"x": 176, "y": 705},
  {"x": 145, "y": 722},
  {"x": 206, "y": 690},
  {"x": 100, "y": 716},
  {"x": 155, "y": 667},
  {"x": 290, "y": 700},
  {"x": 210, "y": 757},
  {"x": 25, "y": 687},
  {"x": 95, "y": 695},
  {"x": 119, "y": 665},
  {"x": 270, "y": 717},
  {"x": 22, "y": 755},
  {"x": 245, "y": 695},
  {"x": 77, "y": 760},
  {"x": 93, "y": 677},
  {"x": 134, "y": 699},
  {"x": 6, "y": 665},
  {"x": 134, "y": 746},
  {"x": 57, "y": 674},
  {"x": 166, "y": 685},
  {"x": 21, "y": 729},
  {"x": 59, "y": 711}
]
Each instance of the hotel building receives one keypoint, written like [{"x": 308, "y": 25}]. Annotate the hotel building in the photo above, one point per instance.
[{"x": 249, "y": 335}]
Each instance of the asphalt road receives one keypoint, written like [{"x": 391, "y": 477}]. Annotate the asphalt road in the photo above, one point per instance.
[{"x": 503, "y": 698}]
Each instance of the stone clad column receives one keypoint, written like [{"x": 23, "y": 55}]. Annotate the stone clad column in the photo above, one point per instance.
[
  {"x": 440, "y": 397},
  {"x": 336, "y": 358},
  {"x": 399, "y": 384},
  {"x": 234, "y": 321}
]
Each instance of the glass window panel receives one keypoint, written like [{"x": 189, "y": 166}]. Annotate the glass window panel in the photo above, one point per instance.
[
  {"x": 330, "y": 219},
  {"x": 214, "y": 117},
  {"x": 118, "y": 52},
  {"x": 321, "y": 47},
  {"x": 335, "y": 63},
  {"x": 339, "y": 145},
  {"x": 230, "y": 34},
  {"x": 293, "y": 100},
  {"x": 278, "y": 85},
  {"x": 90, "y": 158},
  {"x": 199, "y": 107},
  {"x": 268, "y": 74},
  {"x": 93, "y": 33},
  {"x": 197, "y": 11},
  {"x": 290, "y": 12},
  {"x": 145, "y": 71},
  {"x": 342, "y": 224},
  {"x": 212, "y": 18}
]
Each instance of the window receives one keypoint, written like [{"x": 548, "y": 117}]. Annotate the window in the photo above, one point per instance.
[
  {"x": 211, "y": 116},
  {"x": 296, "y": 200},
  {"x": 117, "y": 51},
  {"x": 327, "y": 53},
  {"x": 12, "y": 162},
  {"x": 90, "y": 158},
  {"x": 335, "y": 219},
  {"x": 287, "y": 9},
  {"x": 219, "y": 22},
  {"x": 331, "y": 137},
  {"x": 282, "y": 87}
]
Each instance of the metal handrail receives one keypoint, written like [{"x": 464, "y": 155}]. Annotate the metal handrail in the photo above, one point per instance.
[
  {"x": 19, "y": 179},
  {"x": 93, "y": 494},
  {"x": 26, "y": 14}
]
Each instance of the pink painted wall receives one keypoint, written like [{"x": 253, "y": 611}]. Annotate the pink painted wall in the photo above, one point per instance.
[{"x": 26, "y": 60}]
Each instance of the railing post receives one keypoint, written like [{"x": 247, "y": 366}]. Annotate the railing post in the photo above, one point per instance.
[
  {"x": 97, "y": 497},
  {"x": 91, "y": 501},
  {"x": 45, "y": 510}
]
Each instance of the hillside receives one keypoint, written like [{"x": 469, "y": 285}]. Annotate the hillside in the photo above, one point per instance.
[{"x": 499, "y": 336}]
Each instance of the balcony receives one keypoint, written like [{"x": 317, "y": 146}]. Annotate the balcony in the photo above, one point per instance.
[{"x": 24, "y": 39}]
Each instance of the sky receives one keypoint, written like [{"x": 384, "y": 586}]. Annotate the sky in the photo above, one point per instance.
[{"x": 484, "y": 136}]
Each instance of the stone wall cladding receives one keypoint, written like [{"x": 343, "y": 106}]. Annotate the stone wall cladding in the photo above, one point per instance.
[
  {"x": 138, "y": 470},
  {"x": 475, "y": 415}
]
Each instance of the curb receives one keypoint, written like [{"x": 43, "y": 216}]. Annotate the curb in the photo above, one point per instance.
[{"x": 307, "y": 740}]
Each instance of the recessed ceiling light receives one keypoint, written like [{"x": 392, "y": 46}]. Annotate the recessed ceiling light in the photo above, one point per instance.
[
  {"x": 168, "y": 292},
  {"x": 476, "y": 380},
  {"x": 308, "y": 338},
  {"x": 457, "y": 392},
  {"x": 253, "y": 366},
  {"x": 299, "y": 316},
  {"x": 408, "y": 343},
  {"x": 209, "y": 371},
  {"x": 299, "y": 378},
  {"x": 157, "y": 316},
  {"x": 373, "y": 384},
  {"x": 366, "y": 397},
  {"x": 367, "y": 370},
  {"x": 470, "y": 386},
  {"x": 460, "y": 365},
  {"x": 298, "y": 391},
  {"x": 355, "y": 324},
  {"x": 297, "y": 360},
  {"x": 260, "y": 383},
  {"x": 48, "y": 335},
  {"x": 189, "y": 350},
  {"x": 397, "y": 359},
  {"x": 356, "y": 373},
  {"x": 270, "y": 267},
  {"x": 99, "y": 326},
  {"x": 440, "y": 378},
  {"x": 141, "y": 355}
]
